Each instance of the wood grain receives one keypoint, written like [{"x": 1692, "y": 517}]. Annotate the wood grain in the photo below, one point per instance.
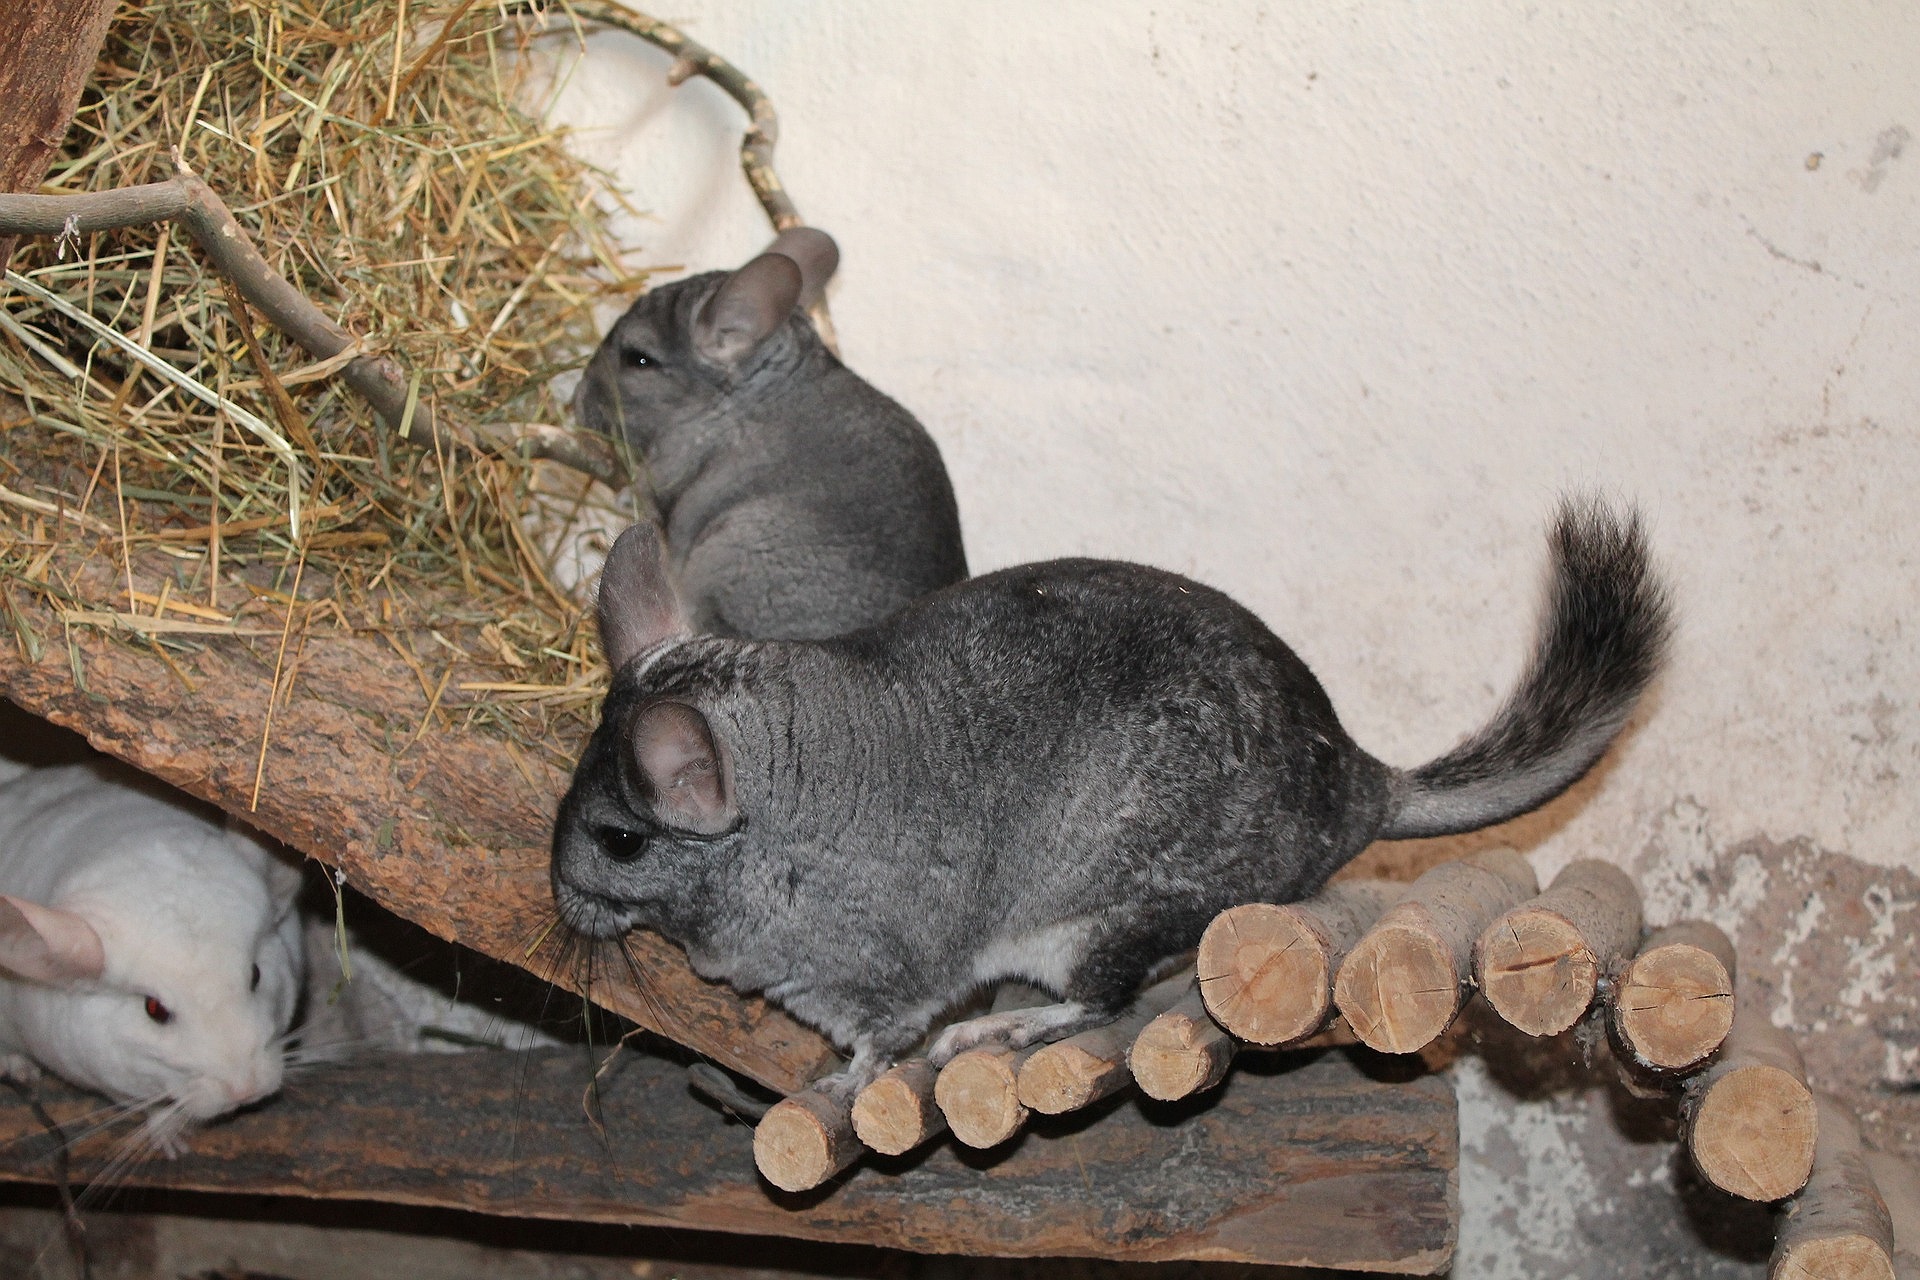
[
  {"x": 448, "y": 831},
  {"x": 47, "y": 52},
  {"x": 1305, "y": 1161}
]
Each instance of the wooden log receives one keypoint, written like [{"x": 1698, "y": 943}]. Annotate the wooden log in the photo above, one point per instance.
[
  {"x": 1540, "y": 964},
  {"x": 1072, "y": 1073},
  {"x": 1266, "y": 971},
  {"x": 1674, "y": 1004},
  {"x": 1285, "y": 1168},
  {"x": 1838, "y": 1227},
  {"x": 1899, "y": 1184},
  {"x": 46, "y": 59},
  {"x": 805, "y": 1139},
  {"x": 1182, "y": 1052},
  {"x": 979, "y": 1093},
  {"x": 1403, "y": 983},
  {"x": 452, "y": 834},
  {"x": 897, "y": 1112},
  {"x": 1749, "y": 1119}
]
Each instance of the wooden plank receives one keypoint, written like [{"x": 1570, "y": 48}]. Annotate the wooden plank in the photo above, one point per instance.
[
  {"x": 1304, "y": 1160},
  {"x": 447, "y": 832}
]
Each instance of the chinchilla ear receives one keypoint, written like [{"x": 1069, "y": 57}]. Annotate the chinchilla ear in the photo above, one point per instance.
[
  {"x": 278, "y": 865},
  {"x": 747, "y": 307},
  {"x": 46, "y": 944},
  {"x": 638, "y": 605},
  {"x": 677, "y": 758},
  {"x": 815, "y": 253}
]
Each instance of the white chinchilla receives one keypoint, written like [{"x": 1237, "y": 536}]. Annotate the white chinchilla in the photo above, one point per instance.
[{"x": 146, "y": 951}]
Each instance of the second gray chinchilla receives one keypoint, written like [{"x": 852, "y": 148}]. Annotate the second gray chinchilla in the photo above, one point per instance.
[
  {"x": 798, "y": 501},
  {"x": 1057, "y": 772}
]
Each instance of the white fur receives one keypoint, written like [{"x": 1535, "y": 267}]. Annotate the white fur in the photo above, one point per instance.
[
  {"x": 1044, "y": 957},
  {"x": 184, "y": 908}
]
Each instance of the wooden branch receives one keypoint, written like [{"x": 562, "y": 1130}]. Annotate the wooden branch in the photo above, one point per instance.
[
  {"x": 690, "y": 59},
  {"x": 1080, "y": 1070},
  {"x": 1899, "y": 1184},
  {"x": 1674, "y": 1004},
  {"x": 1298, "y": 1164},
  {"x": 1748, "y": 1120},
  {"x": 1540, "y": 964},
  {"x": 1838, "y": 1227},
  {"x": 898, "y": 1112},
  {"x": 1182, "y": 1052},
  {"x": 804, "y": 1139},
  {"x": 48, "y": 56},
  {"x": 1266, "y": 971},
  {"x": 452, "y": 834},
  {"x": 979, "y": 1093},
  {"x": 1406, "y": 980},
  {"x": 190, "y": 202}
]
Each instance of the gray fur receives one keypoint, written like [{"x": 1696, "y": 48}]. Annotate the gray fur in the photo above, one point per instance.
[
  {"x": 1058, "y": 773},
  {"x": 798, "y": 500}
]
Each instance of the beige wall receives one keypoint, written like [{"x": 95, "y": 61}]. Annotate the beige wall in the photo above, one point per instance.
[{"x": 1323, "y": 303}]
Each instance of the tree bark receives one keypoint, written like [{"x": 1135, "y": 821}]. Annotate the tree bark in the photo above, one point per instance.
[
  {"x": 449, "y": 829},
  {"x": 46, "y": 59}
]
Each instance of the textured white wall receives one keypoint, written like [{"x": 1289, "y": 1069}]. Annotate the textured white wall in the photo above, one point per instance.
[{"x": 1324, "y": 303}]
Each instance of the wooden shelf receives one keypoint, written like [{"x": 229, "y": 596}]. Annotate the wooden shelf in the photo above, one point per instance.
[{"x": 1303, "y": 1159}]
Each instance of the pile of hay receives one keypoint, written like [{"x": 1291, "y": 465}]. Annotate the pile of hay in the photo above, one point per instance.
[{"x": 381, "y": 156}]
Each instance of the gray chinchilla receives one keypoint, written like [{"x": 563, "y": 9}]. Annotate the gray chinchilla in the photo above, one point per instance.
[
  {"x": 1058, "y": 772},
  {"x": 798, "y": 501}
]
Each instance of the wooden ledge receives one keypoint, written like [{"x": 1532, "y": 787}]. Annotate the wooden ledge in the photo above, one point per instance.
[
  {"x": 446, "y": 827},
  {"x": 1304, "y": 1160}
]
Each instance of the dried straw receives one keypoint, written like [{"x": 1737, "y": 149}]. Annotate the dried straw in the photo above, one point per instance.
[{"x": 380, "y": 155}]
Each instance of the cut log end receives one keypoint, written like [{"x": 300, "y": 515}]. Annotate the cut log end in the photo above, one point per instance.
[
  {"x": 978, "y": 1092},
  {"x": 1399, "y": 989},
  {"x": 897, "y": 1112},
  {"x": 1839, "y": 1225},
  {"x": 1674, "y": 1005},
  {"x": 1065, "y": 1077},
  {"x": 1541, "y": 963},
  {"x": 1834, "y": 1258},
  {"x": 804, "y": 1140},
  {"x": 1265, "y": 973},
  {"x": 1181, "y": 1053},
  {"x": 1753, "y": 1133},
  {"x": 1537, "y": 971}
]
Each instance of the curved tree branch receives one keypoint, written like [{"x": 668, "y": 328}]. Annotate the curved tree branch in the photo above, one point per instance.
[
  {"x": 691, "y": 58},
  {"x": 187, "y": 200}
]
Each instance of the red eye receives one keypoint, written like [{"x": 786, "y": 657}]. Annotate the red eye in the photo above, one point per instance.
[{"x": 158, "y": 1012}]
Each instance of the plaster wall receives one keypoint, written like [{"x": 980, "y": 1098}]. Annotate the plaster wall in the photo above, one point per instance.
[{"x": 1324, "y": 303}]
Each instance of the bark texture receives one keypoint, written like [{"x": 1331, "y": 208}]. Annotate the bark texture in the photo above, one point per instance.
[{"x": 1310, "y": 1163}]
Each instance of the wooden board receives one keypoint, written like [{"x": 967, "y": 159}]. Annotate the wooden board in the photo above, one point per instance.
[
  {"x": 451, "y": 833},
  {"x": 1304, "y": 1159}
]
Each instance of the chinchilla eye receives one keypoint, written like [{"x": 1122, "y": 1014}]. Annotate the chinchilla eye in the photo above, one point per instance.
[
  {"x": 158, "y": 1012},
  {"x": 621, "y": 844},
  {"x": 635, "y": 358},
  {"x": 254, "y": 983}
]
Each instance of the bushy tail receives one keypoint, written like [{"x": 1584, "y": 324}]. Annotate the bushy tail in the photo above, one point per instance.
[{"x": 1601, "y": 642}]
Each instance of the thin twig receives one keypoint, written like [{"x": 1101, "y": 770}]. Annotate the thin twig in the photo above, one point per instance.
[
  {"x": 690, "y": 59},
  {"x": 184, "y": 198}
]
